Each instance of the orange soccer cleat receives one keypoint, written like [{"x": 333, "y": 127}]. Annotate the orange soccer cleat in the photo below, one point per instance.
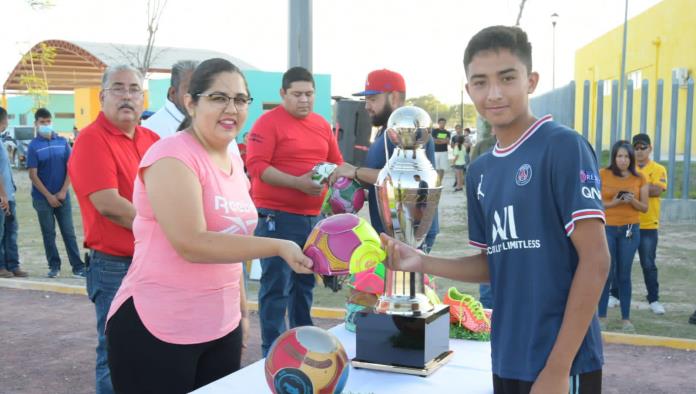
[{"x": 467, "y": 311}]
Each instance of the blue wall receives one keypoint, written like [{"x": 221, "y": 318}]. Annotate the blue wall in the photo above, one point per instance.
[
  {"x": 57, "y": 103},
  {"x": 264, "y": 86}
]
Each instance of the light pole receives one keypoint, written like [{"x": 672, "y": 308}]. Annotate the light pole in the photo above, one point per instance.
[{"x": 554, "y": 19}]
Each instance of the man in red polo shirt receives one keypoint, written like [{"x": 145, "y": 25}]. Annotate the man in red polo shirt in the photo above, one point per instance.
[
  {"x": 103, "y": 167},
  {"x": 284, "y": 145}
]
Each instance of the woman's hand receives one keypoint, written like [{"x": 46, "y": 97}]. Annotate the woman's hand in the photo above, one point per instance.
[
  {"x": 400, "y": 256},
  {"x": 292, "y": 254}
]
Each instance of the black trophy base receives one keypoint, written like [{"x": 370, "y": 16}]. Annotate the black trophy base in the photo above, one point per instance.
[{"x": 416, "y": 345}]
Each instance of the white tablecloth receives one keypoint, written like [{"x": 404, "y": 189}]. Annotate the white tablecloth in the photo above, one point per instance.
[{"x": 469, "y": 371}]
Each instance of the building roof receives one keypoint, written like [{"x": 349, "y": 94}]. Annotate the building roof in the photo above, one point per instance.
[{"x": 80, "y": 64}]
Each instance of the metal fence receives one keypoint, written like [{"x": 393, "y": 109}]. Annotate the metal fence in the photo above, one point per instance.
[{"x": 594, "y": 117}]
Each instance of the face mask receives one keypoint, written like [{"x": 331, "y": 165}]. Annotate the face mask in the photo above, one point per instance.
[{"x": 46, "y": 130}]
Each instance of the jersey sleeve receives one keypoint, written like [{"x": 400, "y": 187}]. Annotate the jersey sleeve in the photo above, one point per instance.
[
  {"x": 32, "y": 157},
  {"x": 260, "y": 146},
  {"x": 575, "y": 180},
  {"x": 92, "y": 167},
  {"x": 659, "y": 177},
  {"x": 477, "y": 232}
]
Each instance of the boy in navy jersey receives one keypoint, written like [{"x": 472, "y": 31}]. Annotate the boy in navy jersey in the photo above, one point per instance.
[{"x": 535, "y": 211}]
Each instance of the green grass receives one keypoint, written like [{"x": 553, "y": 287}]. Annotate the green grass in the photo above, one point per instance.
[{"x": 676, "y": 259}]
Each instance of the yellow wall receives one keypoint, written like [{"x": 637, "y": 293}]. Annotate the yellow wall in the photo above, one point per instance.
[
  {"x": 87, "y": 105},
  {"x": 660, "y": 39}
]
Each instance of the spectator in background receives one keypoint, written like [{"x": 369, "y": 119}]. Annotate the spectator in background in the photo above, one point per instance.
[
  {"x": 284, "y": 145},
  {"x": 625, "y": 195},
  {"x": 166, "y": 120},
  {"x": 103, "y": 167},
  {"x": 9, "y": 253},
  {"x": 459, "y": 162},
  {"x": 442, "y": 140},
  {"x": 47, "y": 162}
]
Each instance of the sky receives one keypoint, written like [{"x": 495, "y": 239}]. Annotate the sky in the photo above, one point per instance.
[{"x": 422, "y": 39}]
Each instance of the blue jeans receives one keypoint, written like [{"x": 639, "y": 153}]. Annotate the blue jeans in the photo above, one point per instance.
[
  {"x": 281, "y": 288},
  {"x": 486, "y": 295},
  {"x": 622, "y": 250},
  {"x": 9, "y": 253},
  {"x": 104, "y": 276},
  {"x": 647, "y": 251},
  {"x": 47, "y": 220}
]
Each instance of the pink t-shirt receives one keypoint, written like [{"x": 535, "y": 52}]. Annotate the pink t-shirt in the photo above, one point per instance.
[{"x": 178, "y": 301}]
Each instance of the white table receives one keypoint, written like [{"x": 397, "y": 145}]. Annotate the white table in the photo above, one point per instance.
[{"x": 469, "y": 371}]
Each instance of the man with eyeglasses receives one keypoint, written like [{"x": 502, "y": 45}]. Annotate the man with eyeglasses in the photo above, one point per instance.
[
  {"x": 103, "y": 168},
  {"x": 656, "y": 175},
  {"x": 284, "y": 145}
]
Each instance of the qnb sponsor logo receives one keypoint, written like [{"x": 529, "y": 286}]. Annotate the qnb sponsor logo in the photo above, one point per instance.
[
  {"x": 228, "y": 206},
  {"x": 505, "y": 233},
  {"x": 590, "y": 192}
]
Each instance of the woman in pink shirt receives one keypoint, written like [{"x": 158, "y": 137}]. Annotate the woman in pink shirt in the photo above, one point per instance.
[{"x": 179, "y": 319}]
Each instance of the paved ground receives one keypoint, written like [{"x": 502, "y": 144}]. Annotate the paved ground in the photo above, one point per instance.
[{"x": 48, "y": 339}]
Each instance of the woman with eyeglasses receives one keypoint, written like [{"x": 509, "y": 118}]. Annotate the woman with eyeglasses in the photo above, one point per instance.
[
  {"x": 179, "y": 320},
  {"x": 625, "y": 195}
]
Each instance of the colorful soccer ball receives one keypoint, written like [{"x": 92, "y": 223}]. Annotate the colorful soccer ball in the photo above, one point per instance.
[
  {"x": 307, "y": 360},
  {"x": 345, "y": 196},
  {"x": 343, "y": 244}
]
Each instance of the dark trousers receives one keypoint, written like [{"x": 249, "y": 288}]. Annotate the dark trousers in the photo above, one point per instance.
[
  {"x": 647, "y": 251},
  {"x": 622, "y": 250},
  {"x": 104, "y": 275},
  {"x": 282, "y": 290},
  {"x": 48, "y": 216},
  {"x": 141, "y": 363},
  {"x": 585, "y": 383}
]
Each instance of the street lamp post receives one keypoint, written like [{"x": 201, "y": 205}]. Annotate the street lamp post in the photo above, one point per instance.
[{"x": 554, "y": 19}]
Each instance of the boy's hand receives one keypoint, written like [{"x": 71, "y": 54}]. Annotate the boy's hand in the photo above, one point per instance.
[
  {"x": 400, "y": 256},
  {"x": 551, "y": 381}
]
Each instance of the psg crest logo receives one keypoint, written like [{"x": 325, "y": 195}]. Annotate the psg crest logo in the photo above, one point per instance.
[{"x": 524, "y": 175}]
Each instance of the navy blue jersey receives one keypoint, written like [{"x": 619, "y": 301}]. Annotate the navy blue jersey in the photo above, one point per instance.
[
  {"x": 523, "y": 202},
  {"x": 376, "y": 159},
  {"x": 50, "y": 158}
]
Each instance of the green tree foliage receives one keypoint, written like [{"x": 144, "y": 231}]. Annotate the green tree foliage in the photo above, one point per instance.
[
  {"x": 36, "y": 79},
  {"x": 437, "y": 109}
]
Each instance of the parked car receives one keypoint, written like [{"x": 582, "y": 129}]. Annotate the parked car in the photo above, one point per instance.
[{"x": 16, "y": 141}]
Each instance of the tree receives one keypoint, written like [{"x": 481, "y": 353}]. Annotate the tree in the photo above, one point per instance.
[
  {"x": 142, "y": 58},
  {"x": 36, "y": 80},
  {"x": 519, "y": 15},
  {"x": 437, "y": 109}
]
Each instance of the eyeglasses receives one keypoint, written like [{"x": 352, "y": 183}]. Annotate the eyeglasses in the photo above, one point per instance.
[
  {"x": 122, "y": 91},
  {"x": 241, "y": 103},
  {"x": 640, "y": 147}
]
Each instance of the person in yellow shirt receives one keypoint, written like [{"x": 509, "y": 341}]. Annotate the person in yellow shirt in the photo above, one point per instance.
[
  {"x": 656, "y": 176},
  {"x": 625, "y": 195}
]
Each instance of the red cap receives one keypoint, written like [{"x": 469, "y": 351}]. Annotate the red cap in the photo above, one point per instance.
[{"x": 380, "y": 81}]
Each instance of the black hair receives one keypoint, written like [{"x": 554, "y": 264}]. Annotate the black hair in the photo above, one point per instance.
[
  {"x": 296, "y": 74},
  {"x": 42, "y": 113},
  {"x": 494, "y": 38},
  {"x": 441, "y": 120},
  {"x": 631, "y": 155},
  {"x": 203, "y": 76},
  {"x": 3, "y": 114}
]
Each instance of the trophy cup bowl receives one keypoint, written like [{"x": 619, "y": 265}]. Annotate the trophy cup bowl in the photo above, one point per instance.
[{"x": 405, "y": 332}]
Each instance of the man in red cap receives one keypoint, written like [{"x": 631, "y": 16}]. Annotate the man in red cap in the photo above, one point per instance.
[{"x": 385, "y": 91}]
